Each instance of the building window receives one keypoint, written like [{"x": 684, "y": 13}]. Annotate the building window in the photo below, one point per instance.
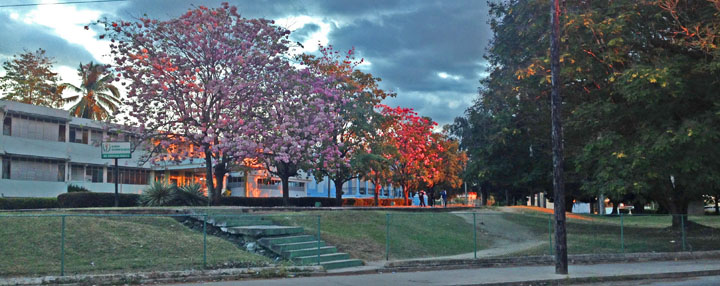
[
  {"x": 96, "y": 137},
  {"x": 78, "y": 135},
  {"x": 7, "y": 126},
  {"x": 77, "y": 172},
  {"x": 232, "y": 179},
  {"x": 33, "y": 169},
  {"x": 129, "y": 176},
  {"x": 61, "y": 133},
  {"x": 6, "y": 168},
  {"x": 296, "y": 184},
  {"x": 61, "y": 172},
  {"x": 268, "y": 182},
  {"x": 94, "y": 174}
]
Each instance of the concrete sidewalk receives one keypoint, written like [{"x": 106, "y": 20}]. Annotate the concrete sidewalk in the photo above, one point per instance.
[{"x": 523, "y": 275}]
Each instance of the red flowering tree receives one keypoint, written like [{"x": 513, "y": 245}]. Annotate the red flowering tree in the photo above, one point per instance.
[
  {"x": 208, "y": 78},
  {"x": 411, "y": 135}
]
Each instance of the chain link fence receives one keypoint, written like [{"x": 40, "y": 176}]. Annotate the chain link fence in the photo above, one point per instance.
[{"x": 33, "y": 244}]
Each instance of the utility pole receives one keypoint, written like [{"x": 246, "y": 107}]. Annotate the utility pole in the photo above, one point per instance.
[{"x": 561, "y": 265}]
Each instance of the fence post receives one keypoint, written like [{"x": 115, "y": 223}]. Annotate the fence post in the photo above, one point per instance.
[
  {"x": 387, "y": 236},
  {"x": 622, "y": 234},
  {"x": 318, "y": 240},
  {"x": 682, "y": 227},
  {"x": 62, "y": 247},
  {"x": 550, "y": 233},
  {"x": 474, "y": 236},
  {"x": 205, "y": 217}
]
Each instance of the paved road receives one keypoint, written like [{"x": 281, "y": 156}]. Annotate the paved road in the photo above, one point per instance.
[
  {"x": 692, "y": 281},
  {"x": 481, "y": 276}
]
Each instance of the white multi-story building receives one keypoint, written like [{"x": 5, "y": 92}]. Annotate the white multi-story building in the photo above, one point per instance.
[{"x": 43, "y": 150}]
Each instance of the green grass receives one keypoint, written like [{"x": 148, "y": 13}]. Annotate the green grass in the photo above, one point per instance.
[
  {"x": 31, "y": 246},
  {"x": 412, "y": 235},
  {"x": 602, "y": 234}
]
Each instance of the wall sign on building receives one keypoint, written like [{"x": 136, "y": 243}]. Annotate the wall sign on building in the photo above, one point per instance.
[{"x": 116, "y": 150}]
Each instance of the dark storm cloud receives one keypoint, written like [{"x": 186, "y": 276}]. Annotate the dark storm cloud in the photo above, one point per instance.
[
  {"x": 408, "y": 50},
  {"x": 18, "y": 36},
  {"x": 408, "y": 42},
  {"x": 300, "y": 35}
]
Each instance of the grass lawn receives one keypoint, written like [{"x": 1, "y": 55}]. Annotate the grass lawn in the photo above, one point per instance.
[
  {"x": 602, "y": 234},
  {"x": 412, "y": 235},
  {"x": 31, "y": 246}
]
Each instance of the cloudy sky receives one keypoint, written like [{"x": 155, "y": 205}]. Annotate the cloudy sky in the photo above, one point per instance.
[{"x": 427, "y": 51}]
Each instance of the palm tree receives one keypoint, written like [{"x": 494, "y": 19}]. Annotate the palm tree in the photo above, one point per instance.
[{"x": 98, "y": 98}]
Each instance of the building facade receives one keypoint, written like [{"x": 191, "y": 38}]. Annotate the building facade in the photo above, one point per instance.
[{"x": 43, "y": 150}]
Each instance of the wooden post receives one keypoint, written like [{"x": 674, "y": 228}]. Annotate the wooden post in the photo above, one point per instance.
[{"x": 561, "y": 266}]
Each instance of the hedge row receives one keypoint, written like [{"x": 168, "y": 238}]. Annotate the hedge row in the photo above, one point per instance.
[
  {"x": 28, "y": 203},
  {"x": 95, "y": 200},
  {"x": 276, "y": 202},
  {"x": 369, "y": 202}
]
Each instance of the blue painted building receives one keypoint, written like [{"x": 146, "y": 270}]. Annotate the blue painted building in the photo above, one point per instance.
[{"x": 355, "y": 188}]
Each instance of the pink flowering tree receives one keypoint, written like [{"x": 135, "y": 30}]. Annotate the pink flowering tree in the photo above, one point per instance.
[
  {"x": 357, "y": 119},
  {"x": 201, "y": 80},
  {"x": 292, "y": 120}
]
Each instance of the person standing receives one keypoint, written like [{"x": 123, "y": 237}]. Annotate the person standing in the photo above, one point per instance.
[
  {"x": 444, "y": 198},
  {"x": 421, "y": 196}
]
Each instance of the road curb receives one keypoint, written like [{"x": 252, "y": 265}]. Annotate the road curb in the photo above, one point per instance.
[
  {"x": 165, "y": 277},
  {"x": 600, "y": 279}
]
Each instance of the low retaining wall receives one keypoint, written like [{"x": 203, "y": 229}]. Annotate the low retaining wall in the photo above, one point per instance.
[{"x": 550, "y": 260}]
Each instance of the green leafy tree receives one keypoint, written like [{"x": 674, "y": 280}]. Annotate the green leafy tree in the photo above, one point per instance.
[
  {"x": 29, "y": 79},
  {"x": 640, "y": 100},
  {"x": 97, "y": 98}
]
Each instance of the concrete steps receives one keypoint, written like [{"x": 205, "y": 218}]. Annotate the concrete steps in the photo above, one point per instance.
[
  {"x": 335, "y": 264},
  {"x": 279, "y": 248},
  {"x": 290, "y": 254},
  {"x": 289, "y": 242},
  {"x": 267, "y": 241},
  {"x": 258, "y": 231},
  {"x": 308, "y": 260}
]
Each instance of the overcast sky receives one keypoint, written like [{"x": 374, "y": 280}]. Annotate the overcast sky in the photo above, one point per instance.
[{"x": 429, "y": 52}]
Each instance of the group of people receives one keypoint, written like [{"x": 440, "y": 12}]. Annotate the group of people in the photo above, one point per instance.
[{"x": 422, "y": 195}]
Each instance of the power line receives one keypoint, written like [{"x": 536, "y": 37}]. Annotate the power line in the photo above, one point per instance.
[{"x": 59, "y": 3}]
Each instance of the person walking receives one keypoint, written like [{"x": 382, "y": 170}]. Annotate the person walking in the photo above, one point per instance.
[
  {"x": 444, "y": 198},
  {"x": 421, "y": 196}
]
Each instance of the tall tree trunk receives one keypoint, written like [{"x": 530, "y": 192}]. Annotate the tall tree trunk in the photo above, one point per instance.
[
  {"x": 484, "y": 194},
  {"x": 431, "y": 196},
  {"x": 377, "y": 194},
  {"x": 209, "y": 175},
  {"x": 220, "y": 171},
  {"x": 615, "y": 207},
  {"x": 532, "y": 199},
  {"x": 285, "y": 189},
  {"x": 338, "y": 191},
  {"x": 507, "y": 197},
  {"x": 569, "y": 204},
  {"x": 717, "y": 209},
  {"x": 561, "y": 266},
  {"x": 405, "y": 193},
  {"x": 638, "y": 207}
]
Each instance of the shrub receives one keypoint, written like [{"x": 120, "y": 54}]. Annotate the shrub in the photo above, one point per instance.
[
  {"x": 28, "y": 203},
  {"x": 276, "y": 202},
  {"x": 75, "y": 188},
  {"x": 160, "y": 193},
  {"x": 93, "y": 200},
  {"x": 189, "y": 195},
  {"x": 369, "y": 202}
]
